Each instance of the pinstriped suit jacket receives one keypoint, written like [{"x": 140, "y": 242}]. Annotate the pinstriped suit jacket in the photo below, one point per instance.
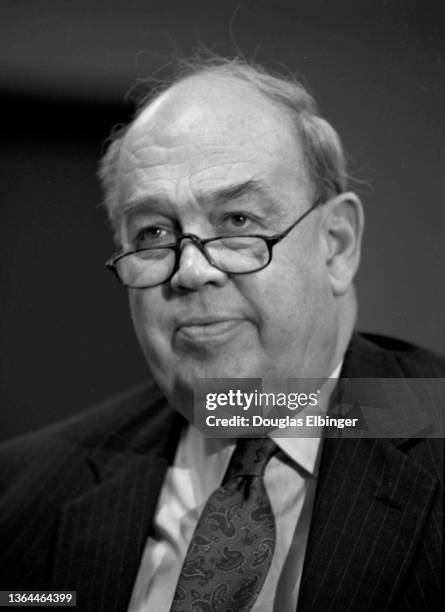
[{"x": 78, "y": 498}]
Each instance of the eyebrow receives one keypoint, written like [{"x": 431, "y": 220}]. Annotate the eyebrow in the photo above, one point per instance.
[
  {"x": 220, "y": 195},
  {"x": 237, "y": 190}
]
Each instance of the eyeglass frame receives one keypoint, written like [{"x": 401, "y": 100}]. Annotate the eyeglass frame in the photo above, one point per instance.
[{"x": 200, "y": 243}]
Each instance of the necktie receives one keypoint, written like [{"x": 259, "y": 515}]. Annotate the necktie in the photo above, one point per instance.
[{"x": 232, "y": 546}]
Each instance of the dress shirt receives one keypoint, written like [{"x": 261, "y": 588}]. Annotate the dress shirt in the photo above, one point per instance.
[{"x": 198, "y": 469}]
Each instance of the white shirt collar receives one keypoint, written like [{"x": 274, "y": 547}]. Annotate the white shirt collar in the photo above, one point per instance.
[{"x": 303, "y": 451}]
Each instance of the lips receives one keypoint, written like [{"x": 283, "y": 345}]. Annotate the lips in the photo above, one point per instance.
[{"x": 196, "y": 329}]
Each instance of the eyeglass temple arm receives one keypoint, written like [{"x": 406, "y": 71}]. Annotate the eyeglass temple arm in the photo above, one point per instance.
[{"x": 272, "y": 240}]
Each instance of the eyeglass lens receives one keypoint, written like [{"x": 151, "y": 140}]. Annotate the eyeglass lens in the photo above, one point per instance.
[{"x": 236, "y": 255}]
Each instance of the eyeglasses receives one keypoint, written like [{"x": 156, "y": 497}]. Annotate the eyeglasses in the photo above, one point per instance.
[{"x": 243, "y": 254}]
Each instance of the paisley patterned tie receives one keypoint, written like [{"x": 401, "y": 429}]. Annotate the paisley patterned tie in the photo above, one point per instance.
[{"x": 232, "y": 547}]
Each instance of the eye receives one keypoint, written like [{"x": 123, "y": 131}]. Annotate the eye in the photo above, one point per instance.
[
  {"x": 152, "y": 235},
  {"x": 237, "y": 221}
]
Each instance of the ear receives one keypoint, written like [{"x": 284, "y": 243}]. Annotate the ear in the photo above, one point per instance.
[{"x": 343, "y": 225}]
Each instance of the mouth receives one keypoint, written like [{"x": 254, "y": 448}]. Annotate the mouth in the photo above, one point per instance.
[{"x": 196, "y": 330}]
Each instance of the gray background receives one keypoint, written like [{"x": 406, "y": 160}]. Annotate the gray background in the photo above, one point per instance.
[{"x": 378, "y": 71}]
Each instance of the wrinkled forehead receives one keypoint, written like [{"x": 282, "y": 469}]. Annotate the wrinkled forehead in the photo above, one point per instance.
[{"x": 208, "y": 129}]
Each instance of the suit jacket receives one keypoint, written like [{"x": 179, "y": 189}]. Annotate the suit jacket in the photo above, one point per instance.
[{"x": 78, "y": 499}]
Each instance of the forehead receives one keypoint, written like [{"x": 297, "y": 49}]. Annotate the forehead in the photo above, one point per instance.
[{"x": 207, "y": 133}]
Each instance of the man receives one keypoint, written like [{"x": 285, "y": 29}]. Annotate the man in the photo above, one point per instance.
[{"x": 239, "y": 243}]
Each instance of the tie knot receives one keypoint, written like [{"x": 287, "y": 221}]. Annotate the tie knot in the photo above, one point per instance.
[{"x": 250, "y": 457}]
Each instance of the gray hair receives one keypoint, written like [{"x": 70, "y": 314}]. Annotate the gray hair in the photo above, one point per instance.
[{"x": 322, "y": 148}]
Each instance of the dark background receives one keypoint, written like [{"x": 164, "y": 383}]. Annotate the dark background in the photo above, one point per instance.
[{"x": 378, "y": 71}]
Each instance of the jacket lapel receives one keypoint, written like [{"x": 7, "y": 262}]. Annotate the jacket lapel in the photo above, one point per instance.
[
  {"x": 101, "y": 534},
  {"x": 372, "y": 501}
]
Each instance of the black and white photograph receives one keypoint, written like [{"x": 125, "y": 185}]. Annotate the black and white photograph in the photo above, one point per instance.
[{"x": 222, "y": 379}]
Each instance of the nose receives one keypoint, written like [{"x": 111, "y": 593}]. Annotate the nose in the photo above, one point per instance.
[{"x": 195, "y": 271}]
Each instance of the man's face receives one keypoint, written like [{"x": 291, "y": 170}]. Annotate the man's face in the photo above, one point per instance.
[{"x": 214, "y": 157}]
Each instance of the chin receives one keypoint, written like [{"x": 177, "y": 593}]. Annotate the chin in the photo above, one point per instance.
[
  {"x": 219, "y": 367},
  {"x": 174, "y": 371}
]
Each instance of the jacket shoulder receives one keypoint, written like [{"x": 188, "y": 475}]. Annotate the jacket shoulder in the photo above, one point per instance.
[
  {"x": 74, "y": 437},
  {"x": 42, "y": 472},
  {"x": 412, "y": 360}
]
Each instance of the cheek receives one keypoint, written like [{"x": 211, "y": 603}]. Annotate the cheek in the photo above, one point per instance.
[
  {"x": 287, "y": 300},
  {"x": 146, "y": 313}
]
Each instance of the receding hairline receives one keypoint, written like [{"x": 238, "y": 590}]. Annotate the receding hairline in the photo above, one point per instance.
[
  {"x": 322, "y": 151},
  {"x": 165, "y": 96},
  {"x": 219, "y": 97}
]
